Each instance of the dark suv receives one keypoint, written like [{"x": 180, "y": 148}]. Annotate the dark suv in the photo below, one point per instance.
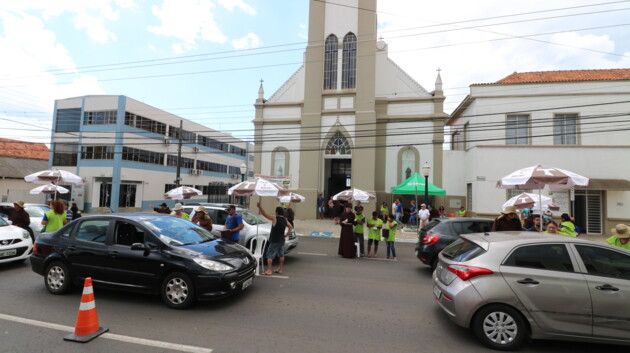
[{"x": 440, "y": 232}]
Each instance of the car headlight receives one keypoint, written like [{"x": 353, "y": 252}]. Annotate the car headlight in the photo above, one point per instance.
[
  {"x": 25, "y": 234},
  {"x": 213, "y": 265}
]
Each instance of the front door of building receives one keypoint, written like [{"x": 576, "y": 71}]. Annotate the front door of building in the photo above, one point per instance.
[
  {"x": 339, "y": 175},
  {"x": 588, "y": 211}
]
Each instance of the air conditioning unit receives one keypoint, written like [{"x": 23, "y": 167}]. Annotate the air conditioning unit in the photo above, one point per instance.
[
  {"x": 194, "y": 171},
  {"x": 235, "y": 176},
  {"x": 196, "y": 149},
  {"x": 167, "y": 141},
  {"x": 199, "y": 172}
]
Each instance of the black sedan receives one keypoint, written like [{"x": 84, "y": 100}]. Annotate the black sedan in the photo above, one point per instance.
[
  {"x": 441, "y": 232},
  {"x": 148, "y": 253}
]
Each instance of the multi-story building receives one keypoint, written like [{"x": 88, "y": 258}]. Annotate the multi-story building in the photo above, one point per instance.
[
  {"x": 127, "y": 152},
  {"x": 574, "y": 120}
]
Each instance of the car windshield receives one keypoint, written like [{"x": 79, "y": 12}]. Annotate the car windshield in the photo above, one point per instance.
[
  {"x": 177, "y": 232},
  {"x": 36, "y": 210},
  {"x": 252, "y": 218},
  {"x": 3, "y": 223}
]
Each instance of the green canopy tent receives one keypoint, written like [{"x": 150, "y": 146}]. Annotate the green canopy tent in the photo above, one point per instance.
[{"x": 414, "y": 185}]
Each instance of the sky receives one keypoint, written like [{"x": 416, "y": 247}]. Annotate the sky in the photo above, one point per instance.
[{"x": 203, "y": 59}]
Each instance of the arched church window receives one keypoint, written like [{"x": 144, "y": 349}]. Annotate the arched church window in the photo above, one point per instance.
[
  {"x": 408, "y": 163},
  {"x": 338, "y": 145},
  {"x": 280, "y": 162},
  {"x": 349, "y": 74},
  {"x": 330, "y": 62}
]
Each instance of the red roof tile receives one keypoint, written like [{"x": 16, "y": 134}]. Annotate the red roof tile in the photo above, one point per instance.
[
  {"x": 566, "y": 76},
  {"x": 21, "y": 149}
]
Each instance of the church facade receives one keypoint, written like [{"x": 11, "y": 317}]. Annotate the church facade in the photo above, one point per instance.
[{"x": 349, "y": 116}]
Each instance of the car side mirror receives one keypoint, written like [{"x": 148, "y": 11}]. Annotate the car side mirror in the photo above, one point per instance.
[{"x": 141, "y": 246}]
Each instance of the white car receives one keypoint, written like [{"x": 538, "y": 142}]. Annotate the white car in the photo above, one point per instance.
[{"x": 15, "y": 243}]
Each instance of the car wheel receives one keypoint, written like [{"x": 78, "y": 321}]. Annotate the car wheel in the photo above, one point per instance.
[
  {"x": 57, "y": 278},
  {"x": 499, "y": 327},
  {"x": 178, "y": 291}
]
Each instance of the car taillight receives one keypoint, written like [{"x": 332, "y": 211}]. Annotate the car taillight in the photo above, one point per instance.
[
  {"x": 430, "y": 239},
  {"x": 468, "y": 272}
]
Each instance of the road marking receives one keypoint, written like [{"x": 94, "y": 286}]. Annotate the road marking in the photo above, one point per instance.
[
  {"x": 111, "y": 336},
  {"x": 312, "y": 254},
  {"x": 275, "y": 276},
  {"x": 321, "y": 234}
]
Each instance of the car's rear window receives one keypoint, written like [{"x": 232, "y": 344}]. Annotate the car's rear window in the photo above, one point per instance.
[
  {"x": 462, "y": 250},
  {"x": 432, "y": 224}
]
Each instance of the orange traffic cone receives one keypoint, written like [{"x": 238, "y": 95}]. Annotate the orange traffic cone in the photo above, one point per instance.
[{"x": 86, "y": 327}]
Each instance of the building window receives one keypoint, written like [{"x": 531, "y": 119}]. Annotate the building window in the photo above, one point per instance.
[
  {"x": 280, "y": 156},
  {"x": 565, "y": 129},
  {"x": 142, "y": 156},
  {"x": 469, "y": 197},
  {"x": 171, "y": 161},
  {"x": 65, "y": 155},
  {"x": 212, "y": 167},
  {"x": 106, "y": 117},
  {"x": 68, "y": 119},
  {"x": 349, "y": 74},
  {"x": 517, "y": 130},
  {"x": 456, "y": 141},
  {"x": 143, "y": 123},
  {"x": 330, "y": 62},
  {"x": 187, "y": 136},
  {"x": 97, "y": 152},
  {"x": 338, "y": 145}
]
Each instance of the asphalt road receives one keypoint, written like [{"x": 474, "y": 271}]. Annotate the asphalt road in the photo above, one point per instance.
[{"x": 323, "y": 303}]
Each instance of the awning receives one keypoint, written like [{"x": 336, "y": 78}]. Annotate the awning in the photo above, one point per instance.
[
  {"x": 414, "y": 185},
  {"x": 608, "y": 184}
]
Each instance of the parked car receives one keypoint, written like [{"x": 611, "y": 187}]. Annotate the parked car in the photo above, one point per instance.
[
  {"x": 507, "y": 286},
  {"x": 252, "y": 223},
  {"x": 143, "y": 252},
  {"x": 439, "y": 233},
  {"x": 15, "y": 243},
  {"x": 35, "y": 212}
]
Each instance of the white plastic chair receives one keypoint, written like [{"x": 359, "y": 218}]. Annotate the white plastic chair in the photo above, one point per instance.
[{"x": 256, "y": 248}]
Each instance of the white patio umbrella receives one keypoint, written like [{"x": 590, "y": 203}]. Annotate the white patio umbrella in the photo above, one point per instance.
[
  {"x": 56, "y": 176},
  {"x": 539, "y": 176},
  {"x": 291, "y": 198},
  {"x": 182, "y": 193},
  {"x": 527, "y": 200},
  {"x": 354, "y": 194},
  {"x": 49, "y": 189}
]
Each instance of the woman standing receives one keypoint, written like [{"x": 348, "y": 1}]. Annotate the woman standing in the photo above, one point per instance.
[
  {"x": 391, "y": 226},
  {"x": 55, "y": 218},
  {"x": 374, "y": 225},
  {"x": 202, "y": 218},
  {"x": 347, "y": 248},
  {"x": 384, "y": 211}
]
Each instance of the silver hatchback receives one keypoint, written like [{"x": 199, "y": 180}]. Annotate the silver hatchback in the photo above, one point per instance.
[{"x": 507, "y": 286}]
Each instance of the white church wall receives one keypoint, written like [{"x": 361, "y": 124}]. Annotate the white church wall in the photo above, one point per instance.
[
  {"x": 617, "y": 204},
  {"x": 346, "y": 121},
  {"x": 393, "y": 82},
  {"x": 282, "y": 113},
  {"x": 292, "y": 90},
  {"x": 454, "y": 173},
  {"x": 275, "y": 134},
  {"x": 341, "y": 18},
  {"x": 399, "y": 136},
  {"x": 398, "y": 109}
]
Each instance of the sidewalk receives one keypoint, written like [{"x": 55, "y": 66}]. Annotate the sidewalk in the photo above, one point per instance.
[{"x": 326, "y": 228}]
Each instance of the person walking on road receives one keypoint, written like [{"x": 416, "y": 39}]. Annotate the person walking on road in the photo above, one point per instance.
[
  {"x": 347, "y": 220},
  {"x": 202, "y": 218},
  {"x": 234, "y": 223},
  {"x": 391, "y": 226},
  {"x": 507, "y": 221},
  {"x": 621, "y": 236},
  {"x": 358, "y": 229},
  {"x": 280, "y": 229},
  {"x": 55, "y": 218},
  {"x": 399, "y": 210},
  {"x": 19, "y": 217},
  {"x": 374, "y": 225}
]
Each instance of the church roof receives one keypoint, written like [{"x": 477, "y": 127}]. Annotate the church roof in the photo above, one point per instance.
[{"x": 566, "y": 76}]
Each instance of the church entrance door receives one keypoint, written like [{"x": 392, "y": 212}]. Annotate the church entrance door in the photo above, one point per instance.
[{"x": 339, "y": 174}]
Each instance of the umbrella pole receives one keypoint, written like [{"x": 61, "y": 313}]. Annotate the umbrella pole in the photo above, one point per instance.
[
  {"x": 540, "y": 208},
  {"x": 417, "y": 213}
]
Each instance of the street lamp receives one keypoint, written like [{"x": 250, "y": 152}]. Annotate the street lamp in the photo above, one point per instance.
[
  {"x": 243, "y": 171},
  {"x": 426, "y": 170}
]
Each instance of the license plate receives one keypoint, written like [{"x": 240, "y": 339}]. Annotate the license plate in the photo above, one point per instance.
[
  {"x": 437, "y": 292},
  {"x": 247, "y": 283},
  {"x": 5, "y": 253}
]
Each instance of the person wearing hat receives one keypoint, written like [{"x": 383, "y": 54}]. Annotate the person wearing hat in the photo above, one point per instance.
[
  {"x": 162, "y": 209},
  {"x": 202, "y": 218},
  {"x": 507, "y": 221},
  {"x": 358, "y": 229},
  {"x": 347, "y": 220},
  {"x": 233, "y": 224},
  {"x": 18, "y": 216},
  {"x": 621, "y": 236},
  {"x": 424, "y": 215},
  {"x": 177, "y": 211}
]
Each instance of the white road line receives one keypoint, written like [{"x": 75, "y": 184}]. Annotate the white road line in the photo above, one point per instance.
[
  {"x": 313, "y": 254},
  {"x": 111, "y": 336},
  {"x": 274, "y": 276}
]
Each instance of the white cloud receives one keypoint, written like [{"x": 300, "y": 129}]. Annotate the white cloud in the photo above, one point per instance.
[
  {"x": 231, "y": 4},
  {"x": 250, "y": 40},
  {"x": 188, "y": 21},
  {"x": 152, "y": 48}
]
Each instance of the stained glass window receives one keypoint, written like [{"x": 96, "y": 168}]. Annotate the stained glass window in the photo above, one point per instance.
[{"x": 338, "y": 145}]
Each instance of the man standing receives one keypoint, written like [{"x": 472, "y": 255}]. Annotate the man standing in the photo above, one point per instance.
[
  {"x": 424, "y": 215},
  {"x": 276, "y": 239},
  {"x": 358, "y": 229},
  {"x": 234, "y": 223},
  {"x": 18, "y": 216},
  {"x": 399, "y": 211},
  {"x": 162, "y": 209}
]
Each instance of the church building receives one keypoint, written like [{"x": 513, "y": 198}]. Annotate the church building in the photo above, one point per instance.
[{"x": 349, "y": 116}]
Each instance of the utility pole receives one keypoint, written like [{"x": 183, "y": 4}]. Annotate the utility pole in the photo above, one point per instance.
[{"x": 178, "y": 178}]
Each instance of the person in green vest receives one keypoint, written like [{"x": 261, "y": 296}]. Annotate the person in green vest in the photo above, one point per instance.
[
  {"x": 54, "y": 219},
  {"x": 374, "y": 225},
  {"x": 391, "y": 226},
  {"x": 621, "y": 236},
  {"x": 177, "y": 212},
  {"x": 358, "y": 229},
  {"x": 566, "y": 226},
  {"x": 462, "y": 212},
  {"x": 384, "y": 211}
]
